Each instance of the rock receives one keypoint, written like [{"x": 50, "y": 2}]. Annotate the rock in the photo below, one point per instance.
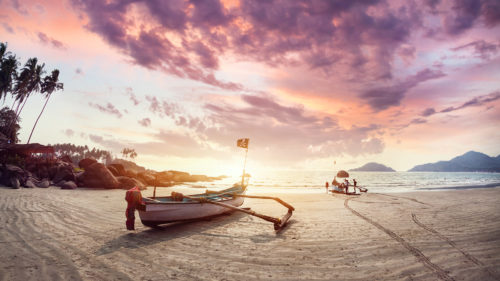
[
  {"x": 128, "y": 183},
  {"x": 68, "y": 185},
  {"x": 97, "y": 175},
  {"x": 66, "y": 159},
  {"x": 80, "y": 179},
  {"x": 130, "y": 174},
  {"x": 113, "y": 170},
  {"x": 119, "y": 168},
  {"x": 147, "y": 178},
  {"x": 44, "y": 183},
  {"x": 86, "y": 162},
  {"x": 30, "y": 184},
  {"x": 14, "y": 182},
  {"x": 64, "y": 172}
]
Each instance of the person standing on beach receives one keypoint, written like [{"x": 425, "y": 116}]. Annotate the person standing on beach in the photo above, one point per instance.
[
  {"x": 326, "y": 186},
  {"x": 346, "y": 186}
]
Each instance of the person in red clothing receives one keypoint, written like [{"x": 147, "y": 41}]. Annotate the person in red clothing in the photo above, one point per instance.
[{"x": 133, "y": 198}]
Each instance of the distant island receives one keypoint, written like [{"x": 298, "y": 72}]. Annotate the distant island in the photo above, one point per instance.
[
  {"x": 471, "y": 161},
  {"x": 373, "y": 167}
]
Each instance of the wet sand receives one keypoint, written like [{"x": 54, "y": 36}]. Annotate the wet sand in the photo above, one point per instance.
[{"x": 53, "y": 234}]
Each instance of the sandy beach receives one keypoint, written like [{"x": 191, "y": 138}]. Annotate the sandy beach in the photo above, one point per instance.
[{"x": 53, "y": 234}]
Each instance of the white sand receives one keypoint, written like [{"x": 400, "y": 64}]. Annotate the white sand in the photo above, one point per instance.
[{"x": 53, "y": 234}]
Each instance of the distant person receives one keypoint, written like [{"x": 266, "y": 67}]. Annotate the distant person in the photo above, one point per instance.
[
  {"x": 326, "y": 187},
  {"x": 346, "y": 183},
  {"x": 355, "y": 182}
]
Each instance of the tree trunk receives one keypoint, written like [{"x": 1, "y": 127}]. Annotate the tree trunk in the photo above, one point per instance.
[{"x": 36, "y": 122}]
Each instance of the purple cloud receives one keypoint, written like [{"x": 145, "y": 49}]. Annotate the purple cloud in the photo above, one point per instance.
[
  {"x": 132, "y": 97},
  {"x": 109, "y": 109},
  {"x": 382, "y": 98},
  {"x": 50, "y": 41},
  {"x": 7, "y": 27},
  {"x": 481, "y": 48},
  {"x": 428, "y": 112},
  {"x": 146, "y": 122},
  {"x": 476, "y": 101}
]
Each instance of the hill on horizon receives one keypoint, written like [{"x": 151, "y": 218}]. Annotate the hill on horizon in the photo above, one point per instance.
[
  {"x": 373, "y": 167},
  {"x": 471, "y": 161}
]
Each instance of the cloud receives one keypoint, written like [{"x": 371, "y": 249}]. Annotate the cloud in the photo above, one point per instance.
[
  {"x": 428, "y": 112},
  {"x": 8, "y": 28},
  {"x": 109, "y": 109},
  {"x": 288, "y": 132},
  {"x": 44, "y": 39},
  {"x": 481, "y": 48},
  {"x": 69, "y": 132},
  {"x": 146, "y": 122},
  {"x": 132, "y": 97},
  {"x": 381, "y": 98},
  {"x": 19, "y": 8},
  {"x": 476, "y": 101}
]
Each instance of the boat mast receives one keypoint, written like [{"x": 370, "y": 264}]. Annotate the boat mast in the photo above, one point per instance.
[{"x": 244, "y": 166}]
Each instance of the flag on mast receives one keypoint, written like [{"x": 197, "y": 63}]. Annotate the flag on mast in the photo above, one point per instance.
[{"x": 243, "y": 143}]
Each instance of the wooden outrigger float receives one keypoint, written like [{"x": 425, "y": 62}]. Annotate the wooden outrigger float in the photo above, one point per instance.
[{"x": 179, "y": 207}]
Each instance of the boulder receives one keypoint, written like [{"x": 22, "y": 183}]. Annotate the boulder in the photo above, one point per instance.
[
  {"x": 44, "y": 183},
  {"x": 147, "y": 178},
  {"x": 14, "y": 182},
  {"x": 113, "y": 170},
  {"x": 64, "y": 172},
  {"x": 86, "y": 162},
  {"x": 68, "y": 185},
  {"x": 97, "y": 175},
  {"x": 66, "y": 159},
  {"x": 30, "y": 183},
  {"x": 80, "y": 179},
  {"x": 119, "y": 168},
  {"x": 130, "y": 174},
  {"x": 128, "y": 183}
]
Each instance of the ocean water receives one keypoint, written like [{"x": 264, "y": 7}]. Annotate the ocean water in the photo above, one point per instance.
[{"x": 382, "y": 182}]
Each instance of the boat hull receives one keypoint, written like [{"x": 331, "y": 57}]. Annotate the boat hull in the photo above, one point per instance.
[{"x": 159, "y": 213}]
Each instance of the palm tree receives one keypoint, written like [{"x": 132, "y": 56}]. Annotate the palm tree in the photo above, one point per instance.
[
  {"x": 50, "y": 84},
  {"x": 29, "y": 81},
  {"x": 8, "y": 71}
]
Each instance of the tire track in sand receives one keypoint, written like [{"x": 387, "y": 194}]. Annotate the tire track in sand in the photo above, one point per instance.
[
  {"x": 454, "y": 245},
  {"x": 441, "y": 273}
]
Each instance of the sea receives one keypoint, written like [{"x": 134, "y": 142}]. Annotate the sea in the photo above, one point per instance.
[{"x": 381, "y": 182}]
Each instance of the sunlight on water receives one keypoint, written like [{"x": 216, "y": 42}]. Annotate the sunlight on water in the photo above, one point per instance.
[{"x": 384, "y": 182}]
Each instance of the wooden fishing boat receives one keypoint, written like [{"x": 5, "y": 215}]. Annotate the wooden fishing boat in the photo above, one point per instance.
[
  {"x": 159, "y": 210},
  {"x": 179, "y": 207}
]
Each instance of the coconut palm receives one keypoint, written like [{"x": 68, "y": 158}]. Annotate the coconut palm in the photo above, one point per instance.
[
  {"x": 8, "y": 71},
  {"x": 50, "y": 84},
  {"x": 28, "y": 82}
]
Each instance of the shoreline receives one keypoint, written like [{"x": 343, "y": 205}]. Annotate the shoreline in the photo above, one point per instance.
[{"x": 50, "y": 234}]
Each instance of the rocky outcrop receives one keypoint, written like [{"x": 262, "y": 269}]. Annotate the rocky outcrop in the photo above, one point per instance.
[
  {"x": 119, "y": 169},
  {"x": 86, "y": 162},
  {"x": 64, "y": 171},
  {"x": 128, "y": 183},
  {"x": 113, "y": 171},
  {"x": 97, "y": 175},
  {"x": 67, "y": 185}
]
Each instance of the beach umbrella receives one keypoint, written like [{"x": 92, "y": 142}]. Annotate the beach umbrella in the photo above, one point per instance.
[{"x": 342, "y": 174}]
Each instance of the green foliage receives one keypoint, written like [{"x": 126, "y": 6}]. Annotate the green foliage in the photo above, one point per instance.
[
  {"x": 78, "y": 152},
  {"x": 76, "y": 170},
  {"x": 21, "y": 85},
  {"x": 9, "y": 125},
  {"x": 13, "y": 159},
  {"x": 129, "y": 152}
]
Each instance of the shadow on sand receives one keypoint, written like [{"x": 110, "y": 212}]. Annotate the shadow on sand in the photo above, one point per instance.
[{"x": 166, "y": 232}]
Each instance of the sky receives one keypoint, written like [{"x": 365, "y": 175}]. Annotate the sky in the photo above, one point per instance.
[{"x": 311, "y": 83}]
